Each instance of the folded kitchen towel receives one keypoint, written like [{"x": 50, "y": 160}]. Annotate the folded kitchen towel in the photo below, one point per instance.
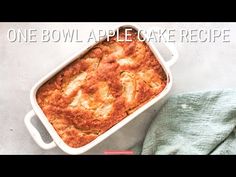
[{"x": 194, "y": 123}]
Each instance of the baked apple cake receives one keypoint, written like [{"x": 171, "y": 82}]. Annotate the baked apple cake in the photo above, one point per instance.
[{"x": 100, "y": 88}]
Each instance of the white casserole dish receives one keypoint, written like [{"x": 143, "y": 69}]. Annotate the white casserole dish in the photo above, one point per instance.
[{"x": 56, "y": 140}]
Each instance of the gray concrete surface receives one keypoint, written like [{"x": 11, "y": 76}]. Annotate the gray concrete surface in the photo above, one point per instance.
[{"x": 200, "y": 66}]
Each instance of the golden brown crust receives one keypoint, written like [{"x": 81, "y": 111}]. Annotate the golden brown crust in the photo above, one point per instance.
[{"x": 98, "y": 90}]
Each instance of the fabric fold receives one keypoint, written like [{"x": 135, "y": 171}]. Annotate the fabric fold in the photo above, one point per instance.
[{"x": 194, "y": 123}]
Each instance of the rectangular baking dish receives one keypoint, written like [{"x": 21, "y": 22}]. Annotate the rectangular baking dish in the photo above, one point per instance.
[{"x": 56, "y": 139}]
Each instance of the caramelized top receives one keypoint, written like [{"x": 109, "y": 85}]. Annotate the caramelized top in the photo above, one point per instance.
[{"x": 101, "y": 88}]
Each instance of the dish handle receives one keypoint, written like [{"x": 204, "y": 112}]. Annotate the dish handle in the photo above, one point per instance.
[
  {"x": 174, "y": 53},
  {"x": 35, "y": 133}
]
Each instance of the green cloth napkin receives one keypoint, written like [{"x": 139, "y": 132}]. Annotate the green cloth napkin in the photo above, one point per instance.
[{"x": 194, "y": 123}]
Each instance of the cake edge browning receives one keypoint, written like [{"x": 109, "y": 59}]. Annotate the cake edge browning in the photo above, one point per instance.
[{"x": 101, "y": 88}]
